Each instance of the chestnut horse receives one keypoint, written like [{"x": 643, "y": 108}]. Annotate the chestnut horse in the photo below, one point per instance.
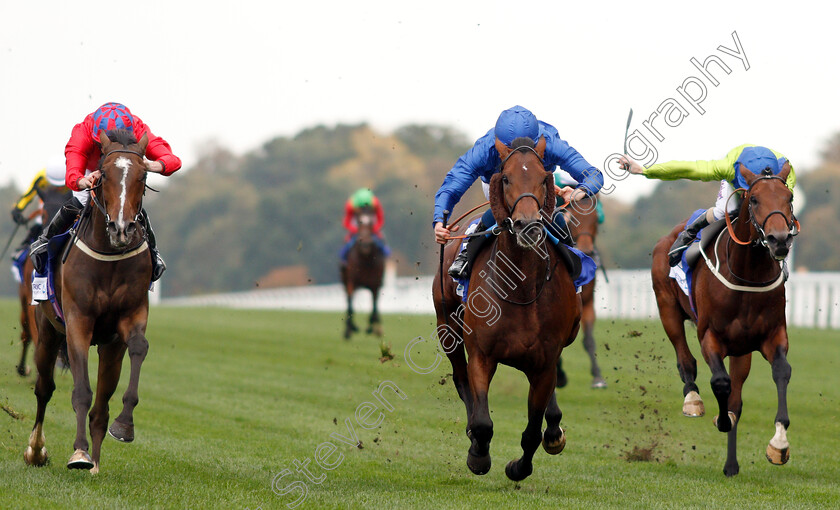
[
  {"x": 28, "y": 328},
  {"x": 102, "y": 287},
  {"x": 582, "y": 219},
  {"x": 364, "y": 268},
  {"x": 740, "y": 307},
  {"x": 521, "y": 310}
]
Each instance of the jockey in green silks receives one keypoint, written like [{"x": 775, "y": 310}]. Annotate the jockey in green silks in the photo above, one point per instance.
[{"x": 755, "y": 158}]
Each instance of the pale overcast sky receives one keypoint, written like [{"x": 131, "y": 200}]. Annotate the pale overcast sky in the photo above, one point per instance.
[{"x": 242, "y": 72}]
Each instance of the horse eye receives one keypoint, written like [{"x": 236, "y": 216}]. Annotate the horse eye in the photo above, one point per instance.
[
  {"x": 753, "y": 200},
  {"x": 505, "y": 179}
]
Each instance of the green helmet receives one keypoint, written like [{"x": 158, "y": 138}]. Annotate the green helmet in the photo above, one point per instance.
[{"x": 363, "y": 197}]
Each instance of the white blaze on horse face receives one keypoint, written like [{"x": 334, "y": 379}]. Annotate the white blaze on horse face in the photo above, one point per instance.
[{"x": 124, "y": 164}]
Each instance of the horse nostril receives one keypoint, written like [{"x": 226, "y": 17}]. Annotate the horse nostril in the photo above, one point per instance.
[
  {"x": 112, "y": 227},
  {"x": 131, "y": 228},
  {"x": 518, "y": 225}
]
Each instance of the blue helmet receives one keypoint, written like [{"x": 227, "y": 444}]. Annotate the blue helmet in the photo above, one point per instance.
[
  {"x": 515, "y": 122},
  {"x": 111, "y": 116},
  {"x": 757, "y": 160}
]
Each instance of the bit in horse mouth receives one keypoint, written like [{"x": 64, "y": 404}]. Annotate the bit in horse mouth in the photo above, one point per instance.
[{"x": 530, "y": 236}]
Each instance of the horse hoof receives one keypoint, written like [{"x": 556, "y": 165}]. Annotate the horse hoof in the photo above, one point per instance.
[
  {"x": 598, "y": 383},
  {"x": 556, "y": 446},
  {"x": 732, "y": 420},
  {"x": 23, "y": 370},
  {"x": 777, "y": 456},
  {"x": 121, "y": 432},
  {"x": 478, "y": 465},
  {"x": 36, "y": 457},
  {"x": 95, "y": 469},
  {"x": 693, "y": 405},
  {"x": 731, "y": 470},
  {"x": 377, "y": 330},
  {"x": 80, "y": 460},
  {"x": 517, "y": 474}
]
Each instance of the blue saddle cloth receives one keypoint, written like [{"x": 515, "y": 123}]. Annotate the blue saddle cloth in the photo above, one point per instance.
[
  {"x": 587, "y": 271},
  {"x": 54, "y": 250},
  {"x": 18, "y": 262},
  {"x": 689, "y": 270}
]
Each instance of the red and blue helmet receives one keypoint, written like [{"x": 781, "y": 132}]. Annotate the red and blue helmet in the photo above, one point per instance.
[
  {"x": 112, "y": 116},
  {"x": 758, "y": 160}
]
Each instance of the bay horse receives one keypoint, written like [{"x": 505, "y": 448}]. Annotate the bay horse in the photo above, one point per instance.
[
  {"x": 102, "y": 287},
  {"x": 740, "y": 308},
  {"x": 28, "y": 327},
  {"x": 521, "y": 310},
  {"x": 582, "y": 218},
  {"x": 364, "y": 268}
]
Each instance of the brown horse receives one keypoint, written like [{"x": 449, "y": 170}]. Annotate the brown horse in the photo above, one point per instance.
[
  {"x": 740, "y": 309},
  {"x": 364, "y": 268},
  {"x": 521, "y": 311},
  {"x": 102, "y": 287},
  {"x": 582, "y": 219},
  {"x": 28, "y": 327}
]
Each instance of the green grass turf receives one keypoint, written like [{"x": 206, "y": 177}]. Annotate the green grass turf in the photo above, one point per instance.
[{"x": 229, "y": 399}]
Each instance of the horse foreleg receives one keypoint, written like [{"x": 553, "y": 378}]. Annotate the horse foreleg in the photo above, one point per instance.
[
  {"x": 542, "y": 388},
  {"x": 46, "y": 350},
  {"x": 349, "y": 326},
  {"x": 721, "y": 382},
  {"x": 110, "y": 364},
  {"x": 375, "y": 325},
  {"x": 554, "y": 438},
  {"x": 480, "y": 427},
  {"x": 135, "y": 339},
  {"x": 588, "y": 320},
  {"x": 79, "y": 333},
  {"x": 739, "y": 369},
  {"x": 778, "y": 451},
  {"x": 28, "y": 332}
]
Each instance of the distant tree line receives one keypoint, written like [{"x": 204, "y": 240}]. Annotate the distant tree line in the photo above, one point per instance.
[{"x": 229, "y": 220}]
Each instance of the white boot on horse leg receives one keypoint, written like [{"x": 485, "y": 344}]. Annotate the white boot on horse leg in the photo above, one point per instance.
[
  {"x": 693, "y": 405},
  {"x": 778, "y": 450}
]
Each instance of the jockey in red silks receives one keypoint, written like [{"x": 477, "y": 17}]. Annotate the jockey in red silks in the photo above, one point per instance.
[
  {"x": 82, "y": 155},
  {"x": 363, "y": 199}
]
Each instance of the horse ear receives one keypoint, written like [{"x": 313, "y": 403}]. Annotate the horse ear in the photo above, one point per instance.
[
  {"x": 540, "y": 148},
  {"x": 104, "y": 141},
  {"x": 504, "y": 150},
  {"x": 497, "y": 198},
  {"x": 785, "y": 171},
  {"x": 144, "y": 142},
  {"x": 550, "y": 197},
  {"x": 748, "y": 176}
]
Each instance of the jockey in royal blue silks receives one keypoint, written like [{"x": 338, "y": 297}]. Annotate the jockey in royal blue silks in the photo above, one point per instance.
[{"x": 482, "y": 161}]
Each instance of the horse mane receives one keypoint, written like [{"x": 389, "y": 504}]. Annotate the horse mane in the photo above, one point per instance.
[
  {"x": 122, "y": 136},
  {"x": 522, "y": 141}
]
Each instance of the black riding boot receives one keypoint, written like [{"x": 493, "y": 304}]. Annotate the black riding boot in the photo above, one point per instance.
[
  {"x": 62, "y": 221},
  {"x": 685, "y": 239},
  {"x": 560, "y": 229},
  {"x": 158, "y": 265},
  {"x": 462, "y": 264}
]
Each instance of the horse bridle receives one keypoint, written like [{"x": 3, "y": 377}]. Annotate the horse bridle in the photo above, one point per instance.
[
  {"x": 95, "y": 198},
  {"x": 508, "y": 223},
  {"x": 792, "y": 223}
]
